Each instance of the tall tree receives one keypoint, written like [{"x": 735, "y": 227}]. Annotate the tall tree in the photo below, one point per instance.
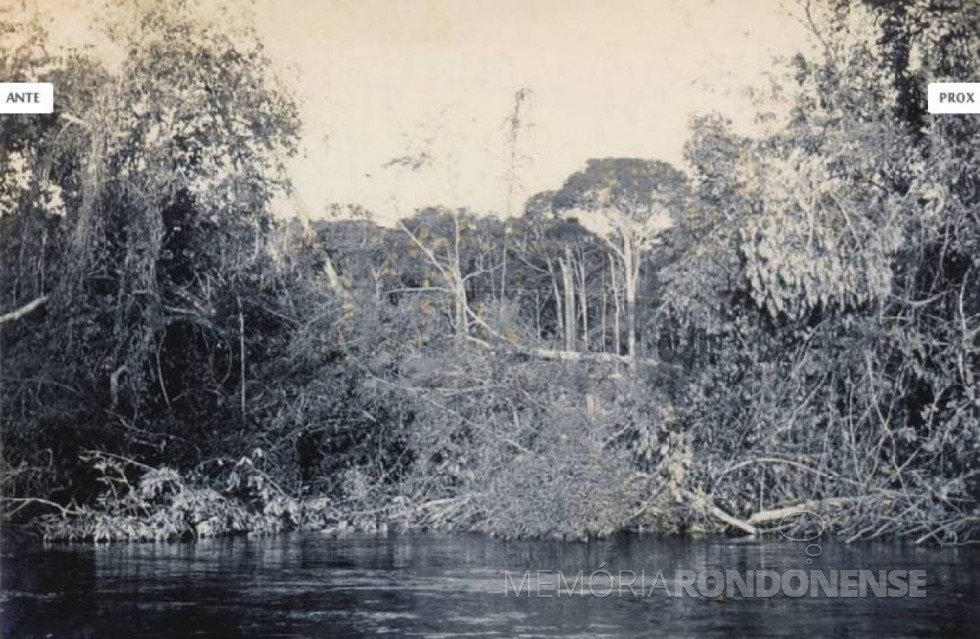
[
  {"x": 631, "y": 200},
  {"x": 160, "y": 170}
]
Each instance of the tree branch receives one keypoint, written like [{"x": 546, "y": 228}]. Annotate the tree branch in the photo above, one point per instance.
[{"x": 30, "y": 307}]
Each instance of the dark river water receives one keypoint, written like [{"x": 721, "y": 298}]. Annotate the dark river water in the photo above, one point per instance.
[{"x": 454, "y": 586}]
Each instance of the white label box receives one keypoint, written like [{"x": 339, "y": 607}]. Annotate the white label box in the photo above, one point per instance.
[
  {"x": 954, "y": 97},
  {"x": 26, "y": 97}
]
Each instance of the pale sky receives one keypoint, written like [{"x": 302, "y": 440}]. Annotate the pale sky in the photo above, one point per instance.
[{"x": 382, "y": 79}]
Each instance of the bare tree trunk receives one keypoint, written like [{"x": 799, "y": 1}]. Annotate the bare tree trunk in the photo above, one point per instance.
[
  {"x": 602, "y": 313},
  {"x": 453, "y": 277},
  {"x": 631, "y": 329},
  {"x": 241, "y": 351},
  {"x": 503, "y": 273},
  {"x": 514, "y": 129},
  {"x": 583, "y": 302},
  {"x": 537, "y": 313},
  {"x": 376, "y": 276},
  {"x": 559, "y": 313},
  {"x": 630, "y": 273},
  {"x": 114, "y": 386},
  {"x": 568, "y": 283},
  {"x": 617, "y": 307},
  {"x": 458, "y": 286}
]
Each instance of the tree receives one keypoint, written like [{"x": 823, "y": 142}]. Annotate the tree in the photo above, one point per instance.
[
  {"x": 832, "y": 269},
  {"x": 153, "y": 252},
  {"x": 452, "y": 243},
  {"x": 631, "y": 201}
]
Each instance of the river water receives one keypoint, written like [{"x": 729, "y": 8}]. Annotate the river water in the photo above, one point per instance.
[{"x": 454, "y": 586}]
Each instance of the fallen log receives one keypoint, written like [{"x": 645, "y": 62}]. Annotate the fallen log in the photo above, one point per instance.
[
  {"x": 778, "y": 514},
  {"x": 732, "y": 521},
  {"x": 718, "y": 513},
  {"x": 577, "y": 356}
]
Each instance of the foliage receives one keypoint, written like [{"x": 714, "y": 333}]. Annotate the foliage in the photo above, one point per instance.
[
  {"x": 150, "y": 239},
  {"x": 793, "y": 321},
  {"x": 164, "y": 505}
]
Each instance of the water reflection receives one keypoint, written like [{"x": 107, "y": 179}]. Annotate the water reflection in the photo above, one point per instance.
[{"x": 434, "y": 585}]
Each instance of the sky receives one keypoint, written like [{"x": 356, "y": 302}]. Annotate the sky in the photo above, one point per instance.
[{"x": 433, "y": 82}]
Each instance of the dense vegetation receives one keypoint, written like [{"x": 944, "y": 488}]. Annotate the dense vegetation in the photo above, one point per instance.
[{"x": 792, "y": 321}]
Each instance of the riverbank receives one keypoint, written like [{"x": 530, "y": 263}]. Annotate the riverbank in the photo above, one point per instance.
[{"x": 141, "y": 504}]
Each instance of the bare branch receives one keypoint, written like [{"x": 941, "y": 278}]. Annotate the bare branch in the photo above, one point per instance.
[{"x": 30, "y": 307}]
